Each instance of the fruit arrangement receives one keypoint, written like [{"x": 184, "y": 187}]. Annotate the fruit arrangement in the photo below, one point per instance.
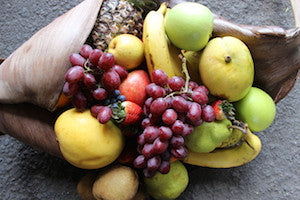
[{"x": 155, "y": 97}]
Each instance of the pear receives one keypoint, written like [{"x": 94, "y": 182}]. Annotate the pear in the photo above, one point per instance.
[
  {"x": 208, "y": 136},
  {"x": 168, "y": 186}
]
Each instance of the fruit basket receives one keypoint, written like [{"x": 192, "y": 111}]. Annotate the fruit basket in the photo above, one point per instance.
[{"x": 44, "y": 140}]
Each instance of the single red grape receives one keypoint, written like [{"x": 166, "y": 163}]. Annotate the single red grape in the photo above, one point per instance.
[
  {"x": 74, "y": 74},
  {"x": 86, "y": 50},
  {"x": 164, "y": 167},
  {"x": 201, "y": 88},
  {"x": 200, "y": 97},
  {"x": 95, "y": 56},
  {"x": 159, "y": 146},
  {"x": 169, "y": 116},
  {"x": 153, "y": 163},
  {"x": 180, "y": 104},
  {"x": 148, "y": 150},
  {"x": 159, "y": 77},
  {"x": 106, "y": 61},
  {"x": 104, "y": 115},
  {"x": 196, "y": 123},
  {"x": 193, "y": 85},
  {"x": 145, "y": 123},
  {"x": 178, "y": 127},
  {"x": 89, "y": 80},
  {"x": 151, "y": 133},
  {"x": 158, "y": 106},
  {"x": 188, "y": 130},
  {"x": 165, "y": 133},
  {"x": 176, "y": 83},
  {"x": 208, "y": 113},
  {"x": 140, "y": 162},
  {"x": 77, "y": 60},
  {"x": 194, "y": 112},
  {"x": 177, "y": 141},
  {"x": 111, "y": 80},
  {"x": 141, "y": 139},
  {"x": 79, "y": 101},
  {"x": 180, "y": 152},
  {"x": 100, "y": 94}
]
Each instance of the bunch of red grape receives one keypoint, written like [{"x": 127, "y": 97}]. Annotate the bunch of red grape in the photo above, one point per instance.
[
  {"x": 93, "y": 80},
  {"x": 173, "y": 108}
]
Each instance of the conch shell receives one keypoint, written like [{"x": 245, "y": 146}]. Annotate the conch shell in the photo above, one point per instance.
[{"x": 34, "y": 73}]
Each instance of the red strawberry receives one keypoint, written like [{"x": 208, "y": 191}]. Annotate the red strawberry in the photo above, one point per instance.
[
  {"x": 134, "y": 113},
  {"x": 133, "y": 87},
  {"x": 222, "y": 109},
  {"x": 127, "y": 113},
  {"x": 217, "y": 106}
]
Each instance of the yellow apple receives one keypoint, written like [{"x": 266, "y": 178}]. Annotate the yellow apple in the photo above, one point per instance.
[{"x": 128, "y": 50}]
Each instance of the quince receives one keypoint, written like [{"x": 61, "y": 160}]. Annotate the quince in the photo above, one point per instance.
[{"x": 86, "y": 143}]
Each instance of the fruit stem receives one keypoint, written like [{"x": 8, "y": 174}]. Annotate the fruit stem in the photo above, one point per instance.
[
  {"x": 227, "y": 59},
  {"x": 185, "y": 71},
  {"x": 243, "y": 129}
]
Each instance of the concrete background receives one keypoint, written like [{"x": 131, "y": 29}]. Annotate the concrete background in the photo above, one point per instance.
[{"x": 26, "y": 173}]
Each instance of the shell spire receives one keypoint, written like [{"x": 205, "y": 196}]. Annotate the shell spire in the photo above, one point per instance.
[{"x": 34, "y": 73}]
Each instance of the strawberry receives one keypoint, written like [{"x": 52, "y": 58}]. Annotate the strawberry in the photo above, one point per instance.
[
  {"x": 223, "y": 109},
  {"x": 127, "y": 113},
  {"x": 133, "y": 87}
]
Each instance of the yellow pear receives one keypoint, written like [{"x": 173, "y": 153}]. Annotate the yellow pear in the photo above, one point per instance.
[{"x": 226, "y": 68}]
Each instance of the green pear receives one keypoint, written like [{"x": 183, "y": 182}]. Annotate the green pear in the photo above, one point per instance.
[
  {"x": 168, "y": 186},
  {"x": 208, "y": 136}
]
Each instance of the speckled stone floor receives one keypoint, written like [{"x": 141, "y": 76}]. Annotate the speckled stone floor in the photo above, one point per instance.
[{"x": 26, "y": 173}]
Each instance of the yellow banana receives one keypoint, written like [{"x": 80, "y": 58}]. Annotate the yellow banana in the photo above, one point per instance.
[
  {"x": 231, "y": 157},
  {"x": 159, "y": 52}
]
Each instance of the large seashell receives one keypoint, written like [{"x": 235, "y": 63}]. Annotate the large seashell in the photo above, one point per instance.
[
  {"x": 29, "y": 75},
  {"x": 34, "y": 73}
]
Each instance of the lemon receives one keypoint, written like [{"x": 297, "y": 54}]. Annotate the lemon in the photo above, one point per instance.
[
  {"x": 86, "y": 143},
  {"x": 226, "y": 68}
]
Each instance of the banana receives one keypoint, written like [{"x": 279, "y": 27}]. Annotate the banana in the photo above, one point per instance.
[
  {"x": 159, "y": 52},
  {"x": 231, "y": 157},
  {"x": 232, "y": 140}
]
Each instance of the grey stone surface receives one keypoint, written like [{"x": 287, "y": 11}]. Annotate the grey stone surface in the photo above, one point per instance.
[{"x": 26, "y": 173}]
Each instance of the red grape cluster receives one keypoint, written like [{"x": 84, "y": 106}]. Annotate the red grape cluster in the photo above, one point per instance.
[
  {"x": 92, "y": 81},
  {"x": 173, "y": 108}
]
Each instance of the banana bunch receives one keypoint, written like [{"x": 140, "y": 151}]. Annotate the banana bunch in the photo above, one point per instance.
[
  {"x": 233, "y": 156},
  {"x": 159, "y": 52}
]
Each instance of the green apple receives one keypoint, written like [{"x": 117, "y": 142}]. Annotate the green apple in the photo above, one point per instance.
[
  {"x": 257, "y": 109},
  {"x": 189, "y": 25}
]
